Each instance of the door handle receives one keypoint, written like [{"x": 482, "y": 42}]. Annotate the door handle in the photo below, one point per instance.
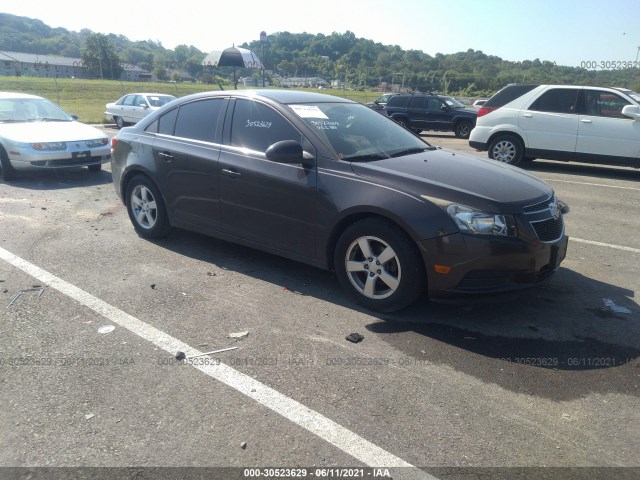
[
  {"x": 527, "y": 115},
  {"x": 230, "y": 173},
  {"x": 167, "y": 157},
  {"x": 586, "y": 121}
]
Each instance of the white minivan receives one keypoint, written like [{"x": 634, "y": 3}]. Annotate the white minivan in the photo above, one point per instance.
[{"x": 560, "y": 122}]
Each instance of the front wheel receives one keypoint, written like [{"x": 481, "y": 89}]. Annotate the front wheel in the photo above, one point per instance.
[
  {"x": 379, "y": 266},
  {"x": 6, "y": 169},
  {"x": 146, "y": 208},
  {"x": 463, "y": 129},
  {"x": 507, "y": 149}
]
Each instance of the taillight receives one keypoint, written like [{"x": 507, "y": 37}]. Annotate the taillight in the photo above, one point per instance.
[
  {"x": 484, "y": 110},
  {"x": 114, "y": 142}
]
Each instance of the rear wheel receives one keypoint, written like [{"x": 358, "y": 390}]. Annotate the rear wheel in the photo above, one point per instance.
[
  {"x": 507, "y": 149},
  {"x": 120, "y": 122},
  {"x": 146, "y": 208},
  {"x": 379, "y": 266},
  {"x": 463, "y": 129},
  {"x": 6, "y": 169}
]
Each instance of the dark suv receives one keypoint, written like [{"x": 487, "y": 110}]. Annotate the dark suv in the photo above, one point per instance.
[{"x": 429, "y": 111}]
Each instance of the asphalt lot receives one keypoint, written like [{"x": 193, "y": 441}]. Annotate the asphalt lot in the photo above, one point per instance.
[{"x": 548, "y": 378}]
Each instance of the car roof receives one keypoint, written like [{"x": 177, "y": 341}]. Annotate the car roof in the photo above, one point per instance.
[
  {"x": 12, "y": 95},
  {"x": 282, "y": 96},
  {"x": 149, "y": 93}
]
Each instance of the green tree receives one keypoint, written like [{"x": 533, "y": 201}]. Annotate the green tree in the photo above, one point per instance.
[{"x": 100, "y": 58}]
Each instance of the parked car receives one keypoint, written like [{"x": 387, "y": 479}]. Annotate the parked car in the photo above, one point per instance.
[
  {"x": 133, "y": 107},
  {"x": 35, "y": 133},
  {"x": 429, "y": 111},
  {"x": 379, "y": 103},
  {"x": 560, "y": 122},
  {"x": 329, "y": 182}
]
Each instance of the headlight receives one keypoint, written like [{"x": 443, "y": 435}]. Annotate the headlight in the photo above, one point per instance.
[
  {"x": 49, "y": 146},
  {"x": 482, "y": 223},
  {"x": 98, "y": 142}
]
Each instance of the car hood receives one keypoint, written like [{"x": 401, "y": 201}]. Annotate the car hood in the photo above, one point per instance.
[
  {"x": 444, "y": 176},
  {"x": 30, "y": 132}
]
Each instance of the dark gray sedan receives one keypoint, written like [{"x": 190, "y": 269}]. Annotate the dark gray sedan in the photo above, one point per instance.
[{"x": 332, "y": 183}]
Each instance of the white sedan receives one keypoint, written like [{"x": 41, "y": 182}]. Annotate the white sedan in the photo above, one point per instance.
[
  {"x": 35, "y": 133},
  {"x": 133, "y": 107}
]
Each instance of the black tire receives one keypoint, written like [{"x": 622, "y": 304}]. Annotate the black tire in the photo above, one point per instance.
[
  {"x": 120, "y": 122},
  {"x": 365, "y": 280},
  {"x": 95, "y": 168},
  {"x": 403, "y": 122},
  {"x": 507, "y": 149},
  {"x": 463, "y": 129},
  {"x": 146, "y": 208},
  {"x": 416, "y": 131},
  {"x": 6, "y": 169}
]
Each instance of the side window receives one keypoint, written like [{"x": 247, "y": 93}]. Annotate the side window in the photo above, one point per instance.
[
  {"x": 557, "y": 100},
  {"x": 256, "y": 126},
  {"x": 435, "y": 104},
  {"x": 167, "y": 122},
  {"x": 604, "y": 104},
  {"x": 199, "y": 120},
  {"x": 140, "y": 100},
  {"x": 129, "y": 100},
  {"x": 419, "y": 102},
  {"x": 401, "y": 101}
]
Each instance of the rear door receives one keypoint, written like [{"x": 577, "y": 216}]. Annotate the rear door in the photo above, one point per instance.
[
  {"x": 604, "y": 131},
  {"x": 186, "y": 153},
  {"x": 266, "y": 202},
  {"x": 551, "y": 121}
]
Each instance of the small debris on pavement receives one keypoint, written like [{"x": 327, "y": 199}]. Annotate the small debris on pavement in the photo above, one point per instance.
[
  {"x": 238, "y": 335},
  {"x": 243, "y": 445},
  {"x": 211, "y": 274},
  {"x": 35, "y": 288},
  {"x": 106, "y": 329},
  {"x": 89, "y": 416},
  {"x": 354, "y": 337},
  {"x": 153, "y": 286},
  {"x": 183, "y": 356}
]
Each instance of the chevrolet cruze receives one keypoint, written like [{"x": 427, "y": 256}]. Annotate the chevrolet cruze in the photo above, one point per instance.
[{"x": 329, "y": 182}]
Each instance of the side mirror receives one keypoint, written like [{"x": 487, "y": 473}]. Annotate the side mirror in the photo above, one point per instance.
[
  {"x": 632, "y": 111},
  {"x": 285, "y": 151},
  {"x": 144, "y": 105},
  {"x": 444, "y": 108}
]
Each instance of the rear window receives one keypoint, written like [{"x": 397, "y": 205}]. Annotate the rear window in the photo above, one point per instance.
[{"x": 508, "y": 94}]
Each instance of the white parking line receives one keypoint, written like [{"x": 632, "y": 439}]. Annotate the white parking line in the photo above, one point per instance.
[
  {"x": 328, "y": 430},
  {"x": 608, "y": 245},
  {"x": 590, "y": 184}
]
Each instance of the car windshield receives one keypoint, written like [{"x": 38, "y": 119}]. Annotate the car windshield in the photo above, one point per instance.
[
  {"x": 452, "y": 102},
  {"x": 357, "y": 133},
  {"x": 17, "y": 110}
]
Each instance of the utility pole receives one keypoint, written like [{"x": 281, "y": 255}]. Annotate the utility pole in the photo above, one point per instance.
[{"x": 263, "y": 40}]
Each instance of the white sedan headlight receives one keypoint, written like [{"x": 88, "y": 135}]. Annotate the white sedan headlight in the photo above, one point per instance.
[
  {"x": 49, "y": 146},
  {"x": 98, "y": 142},
  {"x": 482, "y": 223}
]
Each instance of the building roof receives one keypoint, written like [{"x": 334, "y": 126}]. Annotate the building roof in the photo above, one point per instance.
[{"x": 39, "y": 58}]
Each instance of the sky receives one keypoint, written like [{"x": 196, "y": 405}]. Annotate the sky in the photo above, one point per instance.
[{"x": 568, "y": 32}]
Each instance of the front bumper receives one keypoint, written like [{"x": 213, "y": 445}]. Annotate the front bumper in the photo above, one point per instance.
[
  {"x": 487, "y": 265},
  {"x": 30, "y": 160},
  {"x": 482, "y": 146}
]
